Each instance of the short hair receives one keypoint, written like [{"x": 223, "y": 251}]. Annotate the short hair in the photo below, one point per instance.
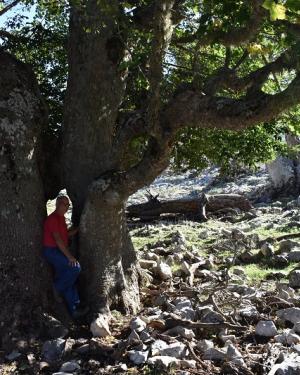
[{"x": 60, "y": 198}]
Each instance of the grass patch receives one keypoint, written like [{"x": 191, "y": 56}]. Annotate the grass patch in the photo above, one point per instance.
[{"x": 257, "y": 273}]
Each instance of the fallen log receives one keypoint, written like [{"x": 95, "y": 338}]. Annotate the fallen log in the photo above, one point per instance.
[{"x": 196, "y": 206}]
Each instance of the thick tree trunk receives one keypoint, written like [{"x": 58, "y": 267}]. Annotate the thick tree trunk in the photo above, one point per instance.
[
  {"x": 93, "y": 97},
  {"x": 94, "y": 93},
  {"x": 24, "y": 277},
  {"x": 108, "y": 256}
]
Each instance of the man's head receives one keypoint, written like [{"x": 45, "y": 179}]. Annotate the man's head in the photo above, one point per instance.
[{"x": 62, "y": 204}]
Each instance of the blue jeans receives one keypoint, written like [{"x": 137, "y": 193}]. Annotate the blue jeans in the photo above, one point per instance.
[{"x": 65, "y": 276}]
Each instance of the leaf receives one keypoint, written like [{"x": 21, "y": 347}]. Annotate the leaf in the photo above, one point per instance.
[
  {"x": 268, "y": 4},
  {"x": 254, "y": 48},
  {"x": 277, "y": 12},
  {"x": 293, "y": 5}
]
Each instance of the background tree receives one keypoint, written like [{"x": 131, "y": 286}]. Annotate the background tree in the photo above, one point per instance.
[{"x": 139, "y": 73}]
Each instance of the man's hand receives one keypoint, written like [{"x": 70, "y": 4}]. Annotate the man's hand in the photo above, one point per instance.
[
  {"x": 73, "y": 262},
  {"x": 72, "y": 231}
]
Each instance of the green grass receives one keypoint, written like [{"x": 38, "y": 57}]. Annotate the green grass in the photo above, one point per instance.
[{"x": 258, "y": 272}]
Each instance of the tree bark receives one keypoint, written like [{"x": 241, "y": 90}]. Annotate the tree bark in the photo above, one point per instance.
[
  {"x": 94, "y": 93},
  {"x": 108, "y": 256},
  {"x": 24, "y": 277},
  {"x": 189, "y": 206}
]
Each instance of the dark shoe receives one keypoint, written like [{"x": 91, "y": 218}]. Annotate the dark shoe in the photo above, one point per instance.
[{"x": 80, "y": 312}]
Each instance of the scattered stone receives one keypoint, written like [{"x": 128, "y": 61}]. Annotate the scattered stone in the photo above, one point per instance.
[
  {"x": 294, "y": 256},
  {"x": 31, "y": 358},
  {"x": 145, "y": 335},
  {"x": 181, "y": 331},
  {"x": 138, "y": 357},
  {"x": 166, "y": 361},
  {"x": 287, "y": 338},
  {"x": 266, "y": 328},
  {"x": 152, "y": 256},
  {"x": 249, "y": 312},
  {"x": 214, "y": 354},
  {"x": 53, "y": 350},
  {"x": 185, "y": 268},
  {"x": 296, "y": 327},
  {"x": 43, "y": 365},
  {"x": 13, "y": 355},
  {"x": 164, "y": 271},
  {"x": 157, "y": 346},
  {"x": 133, "y": 337},
  {"x": 287, "y": 367},
  {"x": 211, "y": 316},
  {"x": 291, "y": 314},
  {"x": 83, "y": 349},
  {"x": 70, "y": 366},
  {"x": 204, "y": 345},
  {"x": 294, "y": 279},
  {"x": 234, "y": 355},
  {"x": 280, "y": 261},
  {"x": 176, "y": 349},
  {"x": 286, "y": 246},
  {"x": 226, "y": 339},
  {"x": 100, "y": 326},
  {"x": 184, "y": 309},
  {"x": 243, "y": 290},
  {"x": 137, "y": 324},
  {"x": 163, "y": 361},
  {"x": 178, "y": 238},
  {"x": 267, "y": 250}
]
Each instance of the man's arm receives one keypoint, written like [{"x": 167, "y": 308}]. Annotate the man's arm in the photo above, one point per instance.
[
  {"x": 63, "y": 248},
  {"x": 72, "y": 231}
]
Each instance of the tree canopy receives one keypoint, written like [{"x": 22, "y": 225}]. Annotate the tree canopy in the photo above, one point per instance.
[{"x": 226, "y": 49}]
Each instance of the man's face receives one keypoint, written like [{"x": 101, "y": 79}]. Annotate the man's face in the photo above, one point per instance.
[{"x": 63, "y": 205}]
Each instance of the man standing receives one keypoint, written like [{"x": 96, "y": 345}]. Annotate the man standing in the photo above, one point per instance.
[{"x": 56, "y": 251}]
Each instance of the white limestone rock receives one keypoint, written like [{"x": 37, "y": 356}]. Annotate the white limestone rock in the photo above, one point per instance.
[
  {"x": 164, "y": 271},
  {"x": 100, "y": 326},
  {"x": 204, "y": 345},
  {"x": 137, "y": 324},
  {"x": 138, "y": 357}
]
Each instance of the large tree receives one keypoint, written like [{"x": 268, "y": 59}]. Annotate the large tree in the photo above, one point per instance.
[{"x": 138, "y": 73}]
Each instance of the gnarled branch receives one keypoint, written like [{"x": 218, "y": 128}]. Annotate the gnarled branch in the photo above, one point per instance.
[
  {"x": 8, "y": 7},
  {"x": 234, "y": 37}
]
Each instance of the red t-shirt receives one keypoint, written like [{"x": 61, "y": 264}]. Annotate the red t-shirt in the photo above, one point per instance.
[{"x": 55, "y": 223}]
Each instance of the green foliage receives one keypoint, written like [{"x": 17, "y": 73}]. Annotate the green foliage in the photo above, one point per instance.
[
  {"x": 277, "y": 11},
  {"x": 197, "y": 148},
  {"x": 43, "y": 44}
]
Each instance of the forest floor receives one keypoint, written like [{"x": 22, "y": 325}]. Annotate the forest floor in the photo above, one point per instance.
[{"x": 219, "y": 297}]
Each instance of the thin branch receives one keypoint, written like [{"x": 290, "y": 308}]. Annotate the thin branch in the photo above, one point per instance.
[
  {"x": 226, "y": 78},
  {"x": 227, "y": 57},
  {"x": 273, "y": 73},
  {"x": 8, "y": 7},
  {"x": 234, "y": 37},
  {"x": 244, "y": 56}
]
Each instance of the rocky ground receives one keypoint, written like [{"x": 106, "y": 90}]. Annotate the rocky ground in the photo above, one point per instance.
[{"x": 219, "y": 297}]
